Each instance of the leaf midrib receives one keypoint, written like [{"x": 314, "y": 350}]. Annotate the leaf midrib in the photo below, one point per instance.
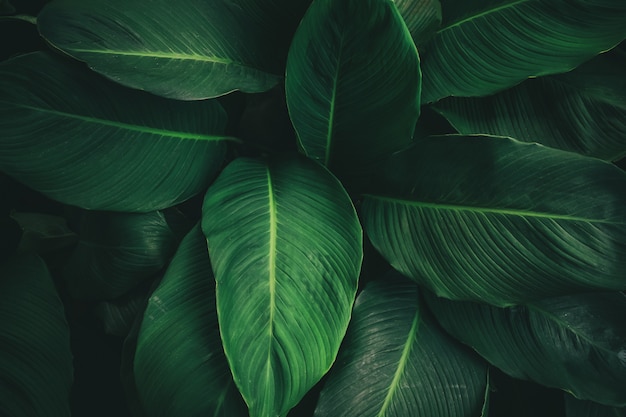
[
  {"x": 491, "y": 210},
  {"x": 271, "y": 275},
  {"x": 164, "y": 55},
  {"x": 402, "y": 363},
  {"x": 122, "y": 125},
  {"x": 482, "y": 14}
]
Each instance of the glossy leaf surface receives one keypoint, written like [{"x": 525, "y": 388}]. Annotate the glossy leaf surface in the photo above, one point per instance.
[
  {"x": 85, "y": 141},
  {"x": 486, "y": 46},
  {"x": 422, "y": 18},
  {"x": 36, "y": 370},
  {"x": 179, "y": 364},
  {"x": 582, "y": 111},
  {"x": 500, "y": 221},
  {"x": 117, "y": 251},
  {"x": 189, "y": 50},
  {"x": 396, "y": 361},
  {"x": 352, "y": 83},
  {"x": 576, "y": 343},
  {"x": 286, "y": 249}
]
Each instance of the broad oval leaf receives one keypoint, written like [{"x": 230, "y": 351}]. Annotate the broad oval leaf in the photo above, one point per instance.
[
  {"x": 582, "y": 111},
  {"x": 179, "y": 365},
  {"x": 286, "y": 249},
  {"x": 117, "y": 251},
  {"x": 352, "y": 83},
  {"x": 85, "y": 141},
  {"x": 396, "y": 361},
  {"x": 575, "y": 342},
  {"x": 582, "y": 408},
  {"x": 36, "y": 371},
  {"x": 486, "y": 46},
  {"x": 189, "y": 50},
  {"x": 500, "y": 221}
]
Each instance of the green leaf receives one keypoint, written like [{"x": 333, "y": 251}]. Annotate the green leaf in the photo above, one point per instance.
[
  {"x": 286, "y": 249},
  {"x": 352, "y": 83},
  {"x": 43, "y": 233},
  {"x": 82, "y": 140},
  {"x": 486, "y": 46},
  {"x": 396, "y": 361},
  {"x": 500, "y": 221},
  {"x": 575, "y": 342},
  {"x": 582, "y": 111},
  {"x": 118, "y": 315},
  {"x": 581, "y": 408},
  {"x": 189, "y": 49},
  {"x": 179, "y": 365},
  {"x": 118, "y": 251},
  {"x": 35, "y": 358},
  {"x": 422, "y": 18}
]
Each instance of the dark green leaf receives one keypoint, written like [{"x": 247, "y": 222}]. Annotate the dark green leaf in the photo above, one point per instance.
[
  {"x": 500, "y": 221},
  {"x": 286, "y": 249},
  {"x": 84, "y": 141},
  {"x": 352, "y": 83},
  {"x": 582, "y": 111},
  {"x": 117, "y": 251},
  {"x": 576, "y": 342},
  {"x": 179, "y": 364},
  {"x": 43, "y": 233},
  {"x": 35, "y": 356},
  {"x": 486, "y": 46},
  {"x": 422, "y": 18},
  {"x": 188, "y": 49},
  {"x": 118, "y": 315},
  {"x": 397, "y": 362},
  {"x": 581, "y": 408}
]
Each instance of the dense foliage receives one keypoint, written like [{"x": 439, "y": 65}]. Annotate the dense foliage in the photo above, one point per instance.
[{"x": 313, "y": 208}]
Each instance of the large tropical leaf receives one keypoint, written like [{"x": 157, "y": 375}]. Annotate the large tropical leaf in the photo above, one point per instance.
[
  {"x": 189, "y": 49},
  {"x": 286, "y": 249},
  {"x": 422, "y": 18},
  {"x": 486, "y": 46},
  {"x": 582, "y": 111},
  {"x": 179, "y": 364},
  {"x": 35, "y": 358},
  {"x": 352, "y": 83},
  {"x": 500, "y": 221},
  {"x": 396, "y": 361},
  {"x": 82, "y": 140},
  {"x": 581, "y": 408},
  {"x": 117, "y": 251},
  {"x": 575, "y": 342}
]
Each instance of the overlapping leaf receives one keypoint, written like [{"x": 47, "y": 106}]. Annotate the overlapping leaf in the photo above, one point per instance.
[
  {"x": 422, "y": 18},
  {"x": 500, "y": 221},
  {"x": 179, "y": 364},
  {"x": 35, "y": 358},
  {"x": 576, "y": 343},
  {"x": 396, "y": 361},
  {"x": 353, "y": 83},
  {"x": 117, "y": 251},
  {"x": 189, "y": 49},
  {"x": 486, "y": 46},
  {"x": 582, "y": 111},
  {"x": 286, "y": 249},
  {"x": 82, "y": 140}
]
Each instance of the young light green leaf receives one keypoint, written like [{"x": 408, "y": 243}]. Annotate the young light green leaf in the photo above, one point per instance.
[
  {"x": 36, "y": 371},
  {"x": 486, "y": 46},
  {"x": 286, "y": 249},
  {"x": 582, "y": 111},
  {"x": 85, "y": 141},
  {"x": 575, "y": 342},
  {"x": 396, "y": 362},
  {"x": 179, "y": 365},
  {"x": 188, "y": 49},
  {"x": 495, "y": 220},
  {"x": 353, "y": 83}
]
